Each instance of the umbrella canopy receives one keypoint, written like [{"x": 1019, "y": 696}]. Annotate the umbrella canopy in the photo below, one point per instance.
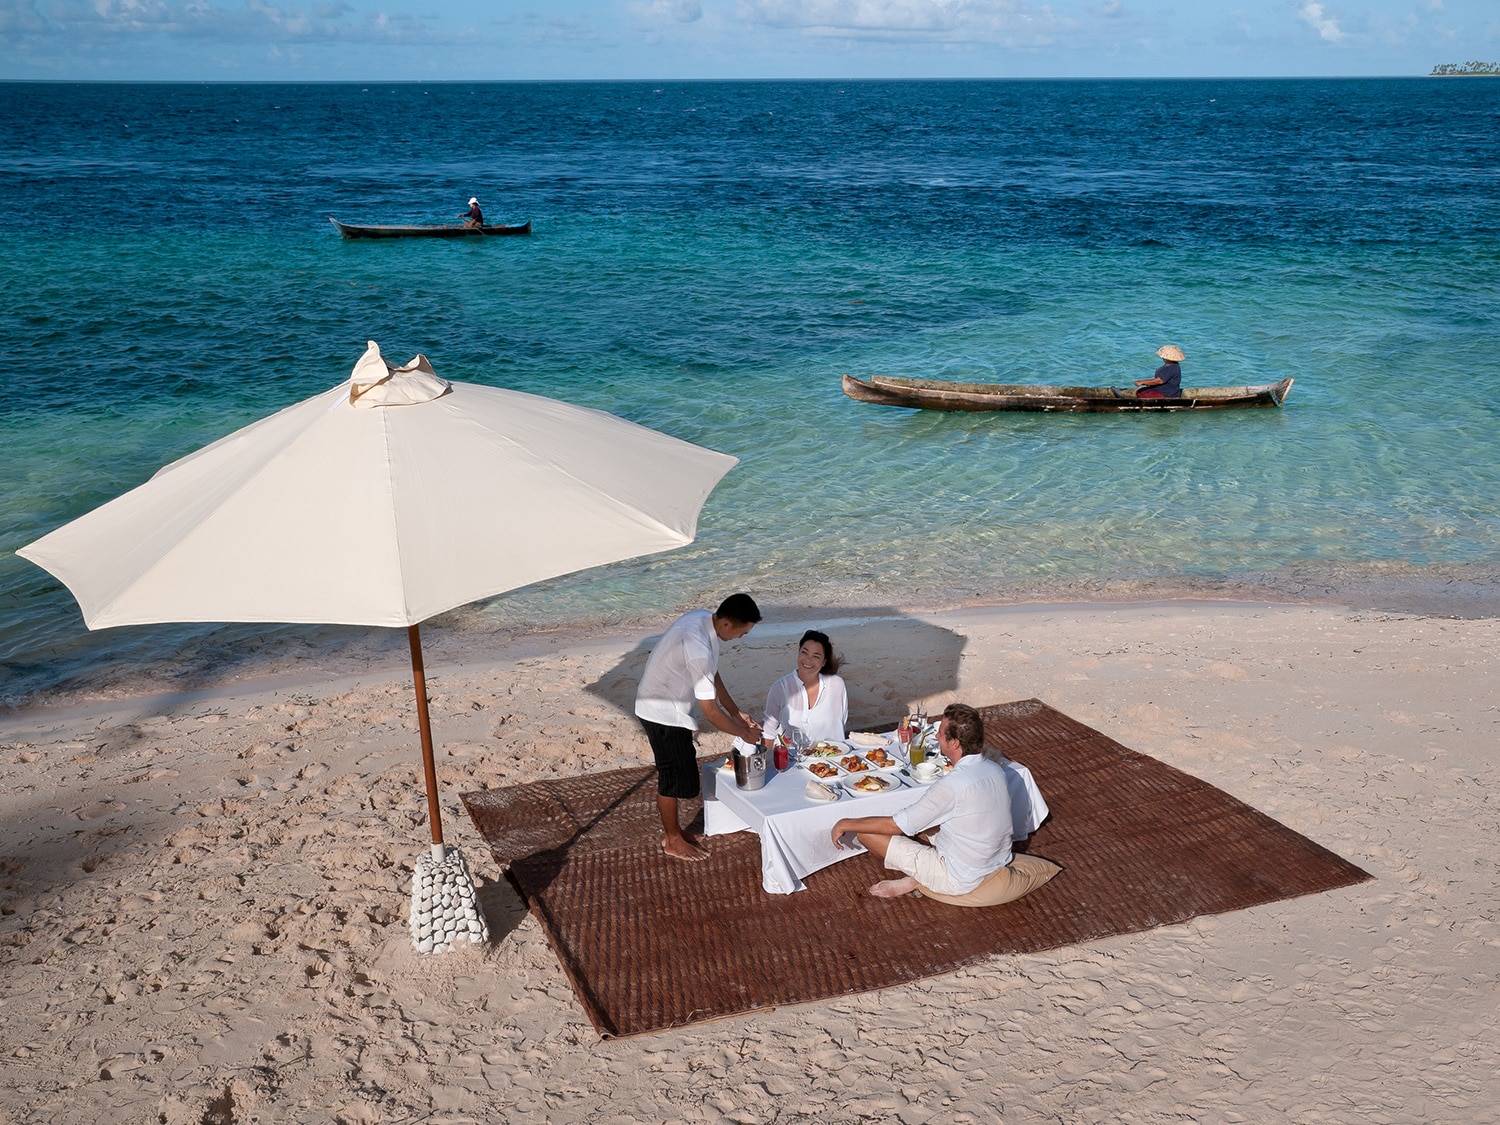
[{"x": 388, "y": 499}]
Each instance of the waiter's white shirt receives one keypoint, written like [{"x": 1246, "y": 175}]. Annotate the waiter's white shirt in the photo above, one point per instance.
[
  {"x": 786, "y": 702},
  {"x": 972, "y": 806},
  {"x": 681, "y": 668}
]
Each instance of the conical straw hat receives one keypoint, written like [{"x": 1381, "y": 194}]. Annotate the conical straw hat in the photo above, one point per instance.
[{"x": 1171, "y": 353}]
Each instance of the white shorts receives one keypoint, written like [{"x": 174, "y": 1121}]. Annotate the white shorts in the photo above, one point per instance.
[{"x": 923, "y": 863}]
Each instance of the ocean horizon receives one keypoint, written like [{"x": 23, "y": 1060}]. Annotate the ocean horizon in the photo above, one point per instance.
[{"x": 708, "y": 258}]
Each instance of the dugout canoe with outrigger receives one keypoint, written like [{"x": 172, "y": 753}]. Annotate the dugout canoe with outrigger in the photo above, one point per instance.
[
  {"x": 934, "y": 394},
  {"x": 442, "y": 230}
]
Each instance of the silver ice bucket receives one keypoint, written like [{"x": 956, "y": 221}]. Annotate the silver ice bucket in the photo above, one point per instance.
[{"x": 750, "y": 769}]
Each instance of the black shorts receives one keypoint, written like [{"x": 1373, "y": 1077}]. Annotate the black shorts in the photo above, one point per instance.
[{"x": 676, "y": 759}]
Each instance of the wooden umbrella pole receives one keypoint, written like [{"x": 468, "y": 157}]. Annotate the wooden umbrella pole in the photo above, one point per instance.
[{"x": 419, "y": 681}]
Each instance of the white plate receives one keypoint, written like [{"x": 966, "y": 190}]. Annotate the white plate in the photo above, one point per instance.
[
  {"x": 838, "y": 770},
  {"x": 841, "y": 747},
  {"x": 895, "y": 762},
  {"x": 891, "y": 782},
  {"x": 869, "y": 766},
  {"x": 915, "y": 780}
]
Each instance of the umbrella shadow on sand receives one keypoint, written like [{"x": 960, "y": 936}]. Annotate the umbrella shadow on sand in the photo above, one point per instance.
[{"x": 890, "y": 659}]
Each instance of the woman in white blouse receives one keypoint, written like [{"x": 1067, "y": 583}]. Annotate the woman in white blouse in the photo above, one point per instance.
[{"x": 811, "y": 701}]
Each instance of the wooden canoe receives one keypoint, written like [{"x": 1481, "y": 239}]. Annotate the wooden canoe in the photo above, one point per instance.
[
  {"x": 447, "y": 230},
  {"x": 932, "y": 394}
]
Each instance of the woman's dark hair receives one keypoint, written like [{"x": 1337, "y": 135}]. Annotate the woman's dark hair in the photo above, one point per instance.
[
  {"x": 965, "y": 725},
  {"x": 739, "y": 607},
  {"x": 830, "y": 661}
]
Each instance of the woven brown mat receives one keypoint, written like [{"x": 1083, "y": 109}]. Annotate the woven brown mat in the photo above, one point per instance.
[{"x": 651, "y": 943}]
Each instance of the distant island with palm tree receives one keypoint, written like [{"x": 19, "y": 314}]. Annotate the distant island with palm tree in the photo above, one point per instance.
[{"x": 1466, "y": 70}]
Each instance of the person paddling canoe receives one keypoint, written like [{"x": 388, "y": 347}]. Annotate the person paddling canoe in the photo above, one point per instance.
[
  {"x": 1167, "y": 382},
  {"x": 473, "y": 217}
]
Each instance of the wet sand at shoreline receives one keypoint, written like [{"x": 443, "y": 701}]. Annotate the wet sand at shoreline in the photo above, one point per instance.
[{"x": 205, "y": 891}]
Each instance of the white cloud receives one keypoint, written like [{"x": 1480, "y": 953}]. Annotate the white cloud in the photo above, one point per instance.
[
  {"x": 680, "y": 11},
  {"x": 1326, "y": 26},
  {"x": 252, "y": 21},
  {"x": 1012, "y": 22},
  {"x": 20, "y": 16}
]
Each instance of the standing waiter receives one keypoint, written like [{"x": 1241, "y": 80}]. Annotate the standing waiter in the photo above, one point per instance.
[{"x": 684, "y": 667}]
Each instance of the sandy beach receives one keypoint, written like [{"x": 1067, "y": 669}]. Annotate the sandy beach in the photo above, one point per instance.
[{"x": 204, "y": 894}]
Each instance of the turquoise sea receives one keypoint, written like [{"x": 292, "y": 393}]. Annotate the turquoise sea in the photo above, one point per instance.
[{"x": 709, "y": 258}]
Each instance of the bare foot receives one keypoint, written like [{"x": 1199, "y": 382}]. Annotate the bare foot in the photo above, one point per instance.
[
  {"x": 679, "y": 847},
  {"x": 894, "y": 888}
]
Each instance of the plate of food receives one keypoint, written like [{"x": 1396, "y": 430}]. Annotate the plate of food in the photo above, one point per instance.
[
  {"x": 823, "y": 768},
  {"x": 871, "y": 783},
  {"x": 854, "y": 763},
  {"x": 881, "y": 759},
  {"x": 864, "y": 740},
  {"x": 825, "y": 749}
]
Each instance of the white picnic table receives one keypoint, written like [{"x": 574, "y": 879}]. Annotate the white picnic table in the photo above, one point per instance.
[{"x": 796, "y": 831}]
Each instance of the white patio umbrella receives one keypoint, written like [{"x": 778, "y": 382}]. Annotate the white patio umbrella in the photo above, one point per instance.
[{"x": 388, "y": 499}]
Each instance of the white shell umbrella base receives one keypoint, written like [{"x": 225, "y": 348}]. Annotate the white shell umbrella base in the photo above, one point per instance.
[{"x": 444, "y": 908}]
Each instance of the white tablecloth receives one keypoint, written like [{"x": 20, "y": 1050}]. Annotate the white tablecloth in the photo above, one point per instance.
[{"x": 795, "y": 831}]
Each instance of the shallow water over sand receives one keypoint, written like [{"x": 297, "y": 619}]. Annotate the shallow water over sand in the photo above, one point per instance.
[{"x": 708, "y": 259}]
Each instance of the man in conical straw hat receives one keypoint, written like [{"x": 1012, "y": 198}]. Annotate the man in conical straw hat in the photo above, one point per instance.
[{"x": 1167, "y": 382}]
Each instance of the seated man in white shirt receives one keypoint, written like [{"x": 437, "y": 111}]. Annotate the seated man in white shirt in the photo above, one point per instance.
[{"x": 967, "y": 815}]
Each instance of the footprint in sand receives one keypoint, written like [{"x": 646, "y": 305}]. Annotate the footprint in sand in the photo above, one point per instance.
[{"x": 97, "y": 809}]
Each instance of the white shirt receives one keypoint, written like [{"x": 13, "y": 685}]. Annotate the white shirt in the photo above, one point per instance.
[
  {"x": 972, "y": 804},
  {"x": 681, "y": 668},
  {"x": 786, "y": 702}
]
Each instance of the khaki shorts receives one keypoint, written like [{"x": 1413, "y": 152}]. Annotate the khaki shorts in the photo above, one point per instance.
[
  {"x": 923, "y": 863},
  {"x": 1024, "y": 874}
]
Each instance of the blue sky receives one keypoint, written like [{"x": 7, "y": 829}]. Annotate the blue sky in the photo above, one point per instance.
[{"x": 364, "y": 40}]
